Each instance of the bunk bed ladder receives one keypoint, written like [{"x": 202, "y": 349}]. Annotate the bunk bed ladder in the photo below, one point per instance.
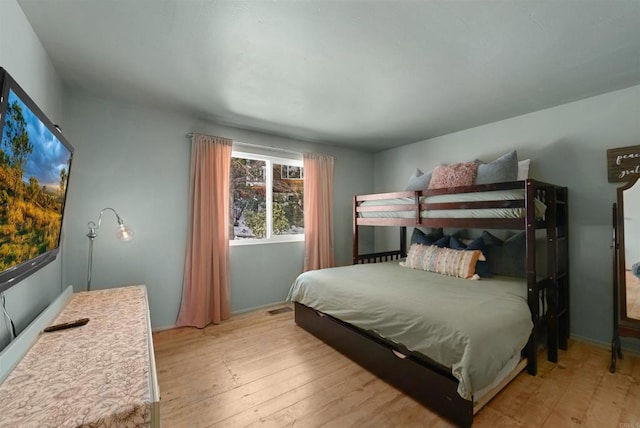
[
  {"x": 356, "y": 238},
  {"x": 557, "y": 290},
  {"x": 533, "y": 295},
  {"x": 551, "y": 283},
  {"x": 562, "y": 277}
]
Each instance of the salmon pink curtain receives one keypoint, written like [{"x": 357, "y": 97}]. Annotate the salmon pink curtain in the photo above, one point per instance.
[
  {"x": 205, "y": 289},
  {"x": 318, "y": 211}
]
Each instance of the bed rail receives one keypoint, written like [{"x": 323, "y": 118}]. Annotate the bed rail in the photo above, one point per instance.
[
  {"x": 539, "y": 188},
  {"x": 384, "y": 256}
]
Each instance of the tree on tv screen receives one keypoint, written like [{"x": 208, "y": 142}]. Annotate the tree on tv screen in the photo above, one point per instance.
[{"x": 30, "y": 213}]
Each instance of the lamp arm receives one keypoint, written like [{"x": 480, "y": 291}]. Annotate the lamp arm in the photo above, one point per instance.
[
  {"x": 92, "y": 234},
  {"x": 93, "y": 227}
]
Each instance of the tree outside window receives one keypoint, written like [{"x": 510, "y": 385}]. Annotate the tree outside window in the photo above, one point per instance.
[{"x": 267, "y": 198}]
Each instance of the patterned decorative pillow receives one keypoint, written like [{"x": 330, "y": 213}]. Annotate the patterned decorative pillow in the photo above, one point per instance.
[
  {"x": 482, "y": 267},
  {"x": 458, "y": 263},
  {"x": 454, "y": 175}
]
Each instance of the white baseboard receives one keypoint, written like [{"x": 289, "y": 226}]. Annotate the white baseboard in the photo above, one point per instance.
[
  {"x": 632, "y": 350},
  {"x": 239, "y": 312},
  {"x": 167, "y": 327},
  {"x": 257, "y": 308}
]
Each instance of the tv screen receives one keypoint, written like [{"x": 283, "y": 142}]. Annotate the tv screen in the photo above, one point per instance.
[{"x": 35, "y": 162}]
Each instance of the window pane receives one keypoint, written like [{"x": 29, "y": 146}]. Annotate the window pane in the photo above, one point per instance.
[
  {"x": 288, "y": 216},
  {"x": 248, "y": 191}
]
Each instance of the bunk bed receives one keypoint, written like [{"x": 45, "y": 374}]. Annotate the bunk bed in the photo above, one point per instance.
[{"x": 538, "y": 209}]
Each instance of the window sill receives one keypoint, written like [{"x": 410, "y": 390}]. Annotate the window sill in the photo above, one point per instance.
[{"x": 243, "y": 242}]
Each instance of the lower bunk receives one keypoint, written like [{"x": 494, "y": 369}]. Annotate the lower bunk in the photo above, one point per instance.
[
  {"x": 447, "y": 342},
  {"x": 421, "y": 378}
]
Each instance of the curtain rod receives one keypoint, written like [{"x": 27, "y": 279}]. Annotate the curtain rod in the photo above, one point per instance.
[{"x": 274, "y": 149}]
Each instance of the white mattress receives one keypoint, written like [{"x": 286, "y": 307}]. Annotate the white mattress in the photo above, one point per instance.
[{"x": 494, "y": 195}]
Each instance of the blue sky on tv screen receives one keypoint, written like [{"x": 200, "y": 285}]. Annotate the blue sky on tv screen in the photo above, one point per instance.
[{"x": 49, "y": 155}]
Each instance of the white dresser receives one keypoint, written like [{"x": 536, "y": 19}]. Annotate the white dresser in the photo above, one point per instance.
[{"x": 100, "y": 374}]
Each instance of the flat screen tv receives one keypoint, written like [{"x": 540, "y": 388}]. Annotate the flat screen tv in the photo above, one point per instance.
[{"x": 35, "y": 162}]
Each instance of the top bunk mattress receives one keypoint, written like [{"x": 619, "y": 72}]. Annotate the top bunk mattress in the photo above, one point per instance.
[
  {"x": 494, "y": 195},
  {"x": 475, "y": 328}
]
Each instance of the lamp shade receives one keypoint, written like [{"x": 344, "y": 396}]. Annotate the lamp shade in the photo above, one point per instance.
[{"x": 124, "y": 233}]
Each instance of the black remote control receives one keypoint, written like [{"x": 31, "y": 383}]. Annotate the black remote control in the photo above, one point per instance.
[{"x": 76, "y": 323}]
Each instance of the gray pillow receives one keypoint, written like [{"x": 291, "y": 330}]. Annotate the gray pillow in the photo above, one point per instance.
[
  {"x": 418, "y": 181},
  {"x": 505, "y": 168}
]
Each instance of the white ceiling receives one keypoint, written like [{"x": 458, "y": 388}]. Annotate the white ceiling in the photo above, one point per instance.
[{"x": 366, "y": 74}]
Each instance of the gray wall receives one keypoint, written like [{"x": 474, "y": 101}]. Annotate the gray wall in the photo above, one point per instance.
[
  {"x": 136, "y": 160},
  {"x": 567, "y": 146},
  {"x": 23, "y": 56}
]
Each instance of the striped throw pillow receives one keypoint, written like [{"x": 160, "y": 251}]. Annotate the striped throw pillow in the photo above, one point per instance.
[{"x": 458, "y": 263}]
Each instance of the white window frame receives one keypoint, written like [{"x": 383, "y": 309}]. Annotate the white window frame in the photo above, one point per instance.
[
  {"x": 269, "y": 160},
  {"x": 292, "y": 178}
]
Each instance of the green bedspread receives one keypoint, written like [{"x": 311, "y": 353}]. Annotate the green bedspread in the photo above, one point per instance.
[{"x": 473, "y": 327}]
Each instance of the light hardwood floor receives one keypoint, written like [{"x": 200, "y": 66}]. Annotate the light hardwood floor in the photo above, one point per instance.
[{"x": 262, "y": 370}]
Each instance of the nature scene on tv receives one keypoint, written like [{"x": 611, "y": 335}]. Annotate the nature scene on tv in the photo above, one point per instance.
[{"x": 34, "y": 167}]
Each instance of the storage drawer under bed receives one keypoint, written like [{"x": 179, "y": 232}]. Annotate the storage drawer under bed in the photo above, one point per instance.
[{"x": 429, "y": 384}]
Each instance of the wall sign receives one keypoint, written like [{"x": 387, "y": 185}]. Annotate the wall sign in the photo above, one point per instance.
[{"x": 623, "y": 163}]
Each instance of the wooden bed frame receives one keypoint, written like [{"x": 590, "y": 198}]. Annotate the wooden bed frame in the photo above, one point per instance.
[{"x": 421, "y": 378}]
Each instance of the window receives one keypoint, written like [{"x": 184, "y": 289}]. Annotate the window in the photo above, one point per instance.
[{"x": 267, "y": 198}]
